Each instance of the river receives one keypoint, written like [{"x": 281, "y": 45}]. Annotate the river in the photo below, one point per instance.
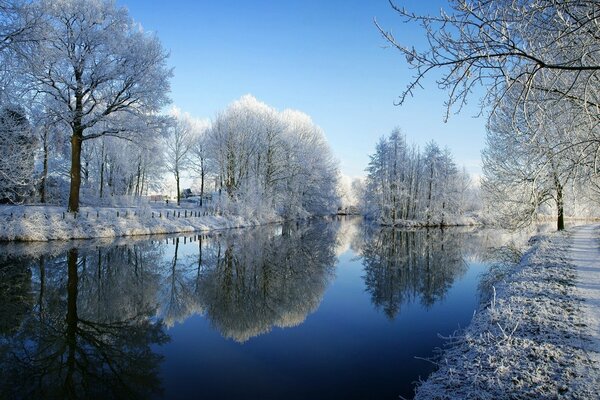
[{"x": 305, "y": 310}]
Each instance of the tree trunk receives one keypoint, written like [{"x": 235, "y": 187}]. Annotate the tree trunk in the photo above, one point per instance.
[
  {"x": 76, "y": 142},
  {"x": 102, "y": 162},
  {"x": 560, "y": 225},
  {"x": 178, "y": 192},
  {"x": 45, "y": 169},
  {"x": 138, "y": 178},
  {"x": 202, "y": 173}
]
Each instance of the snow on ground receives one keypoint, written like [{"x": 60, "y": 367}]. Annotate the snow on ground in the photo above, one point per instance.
[
  {"x": 42, "y": 223},
  {"x": 537, "y": 336}
]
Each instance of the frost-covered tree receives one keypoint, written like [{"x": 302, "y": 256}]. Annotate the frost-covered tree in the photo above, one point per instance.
[
  {"x": 200, "y": 158},
  {"x": 309, "y": 173},
  {"x": 17, "y": 152},
  {"x": 179, "y": 139},
  {"x": 268, "y": 161},
  {"x": 529, "y": 161},
  {"x": 100, "y": 68},
  {"x": 19, "y": 26},
  {"x": 503, "y": 43},
  {"x": 404, "y": 184}
]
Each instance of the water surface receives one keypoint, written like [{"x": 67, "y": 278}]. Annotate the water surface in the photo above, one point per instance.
[{"x": 312, "y": 310}]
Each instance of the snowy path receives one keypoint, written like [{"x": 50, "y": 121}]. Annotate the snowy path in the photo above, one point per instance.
[{"x": 584, "y": 254}]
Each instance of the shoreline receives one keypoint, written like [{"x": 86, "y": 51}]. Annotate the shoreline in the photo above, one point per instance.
[
  {"x": 530, "y": 339},
  {"x": 52, "y": 223}
]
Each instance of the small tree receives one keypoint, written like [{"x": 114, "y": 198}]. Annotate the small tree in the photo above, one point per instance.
[
  {"x": 179, "y": 139},
  {"x": 17, "y": 150}
]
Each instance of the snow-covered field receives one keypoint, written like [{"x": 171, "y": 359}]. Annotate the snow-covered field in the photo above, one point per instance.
[
  {"x": 42, "y": 223},
  {"x": 538, "y": 335}
]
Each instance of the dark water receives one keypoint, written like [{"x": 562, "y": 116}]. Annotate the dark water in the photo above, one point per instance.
[{"x": 319, "y": 310}]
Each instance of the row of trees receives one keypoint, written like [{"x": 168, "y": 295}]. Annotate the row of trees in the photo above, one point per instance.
[
  {"x": 81, "y": 91},
  {"x": 404, "y": 183},
  {"x": 260, "y": 160},
  {"x": 538, "y": 62}
]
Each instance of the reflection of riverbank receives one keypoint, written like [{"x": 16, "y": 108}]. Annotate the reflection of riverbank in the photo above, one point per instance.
[
  {"x": 402, "y": 266},
  {"x": 248, "y": 282},
  {"x": 88, "y": 316}
]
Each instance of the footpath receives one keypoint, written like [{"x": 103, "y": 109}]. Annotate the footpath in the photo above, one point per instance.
[{"x": 584, "y": 254}]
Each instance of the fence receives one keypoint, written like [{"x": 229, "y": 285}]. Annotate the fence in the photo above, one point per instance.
[{"x": 112, "y": 213}]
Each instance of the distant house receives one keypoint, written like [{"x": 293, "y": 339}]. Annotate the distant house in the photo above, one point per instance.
[{"x": 186, "y": 193}]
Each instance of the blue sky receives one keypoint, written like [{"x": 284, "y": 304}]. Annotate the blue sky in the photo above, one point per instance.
[{"x": 323, "y": 57}]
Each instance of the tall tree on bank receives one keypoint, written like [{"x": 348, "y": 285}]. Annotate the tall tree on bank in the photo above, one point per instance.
[
  {"x": 529, "y": 160},
  {"x": 99, "y": 67}
]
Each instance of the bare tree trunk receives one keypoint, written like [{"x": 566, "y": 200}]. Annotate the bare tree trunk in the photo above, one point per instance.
[
  {"x": 102, "y": 162},
  {"x": 178, "y": 191},
  {"x": 138, "y": 177},
  {"x": 45, "y": 168},
  {"x": 202, "y": 174},
  {"x": 76, "y": 142},
  {"x": 560, "y": 208}
]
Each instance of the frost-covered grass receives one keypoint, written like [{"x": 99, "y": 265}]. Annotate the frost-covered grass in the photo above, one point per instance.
[
  {"x": 529, "y": 341},
  {"x": 42, "y": 223}
]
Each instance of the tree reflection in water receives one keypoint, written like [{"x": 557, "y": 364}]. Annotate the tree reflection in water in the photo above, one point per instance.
[
  {"x": 252, "y": 282},
  {"x": 85, "y": 322},
  {"x": 81, "y": 322},
  {"x": 85, "y": 337},
  {"x": 402, "y": 266}
]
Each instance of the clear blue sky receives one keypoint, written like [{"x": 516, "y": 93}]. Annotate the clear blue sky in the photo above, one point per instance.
[{"x": 323, "y": 57}]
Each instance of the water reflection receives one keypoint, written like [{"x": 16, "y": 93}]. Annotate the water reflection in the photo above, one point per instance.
[
  {"x": 403, "y": 266},
  {"x": 250, "y": 283},
  {"x": 81, "y": 322},
  {"x": 87, "y": 322},
  {"x": 67, "y": 348}
]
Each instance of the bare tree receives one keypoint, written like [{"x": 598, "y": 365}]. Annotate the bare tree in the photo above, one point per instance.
[
  {"x": 178, "y": 141},
  {"x": 499, "y": 43}
]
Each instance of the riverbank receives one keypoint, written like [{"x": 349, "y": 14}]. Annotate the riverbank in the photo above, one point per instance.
[
  {"x": 538, "y": 336},
  {"x": 44, "y": 223}
]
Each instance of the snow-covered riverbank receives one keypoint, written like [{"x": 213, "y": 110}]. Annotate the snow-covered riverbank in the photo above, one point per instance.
[
  {"x": 42, "y": 223},
  {"x": 538, "y": 335}
]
